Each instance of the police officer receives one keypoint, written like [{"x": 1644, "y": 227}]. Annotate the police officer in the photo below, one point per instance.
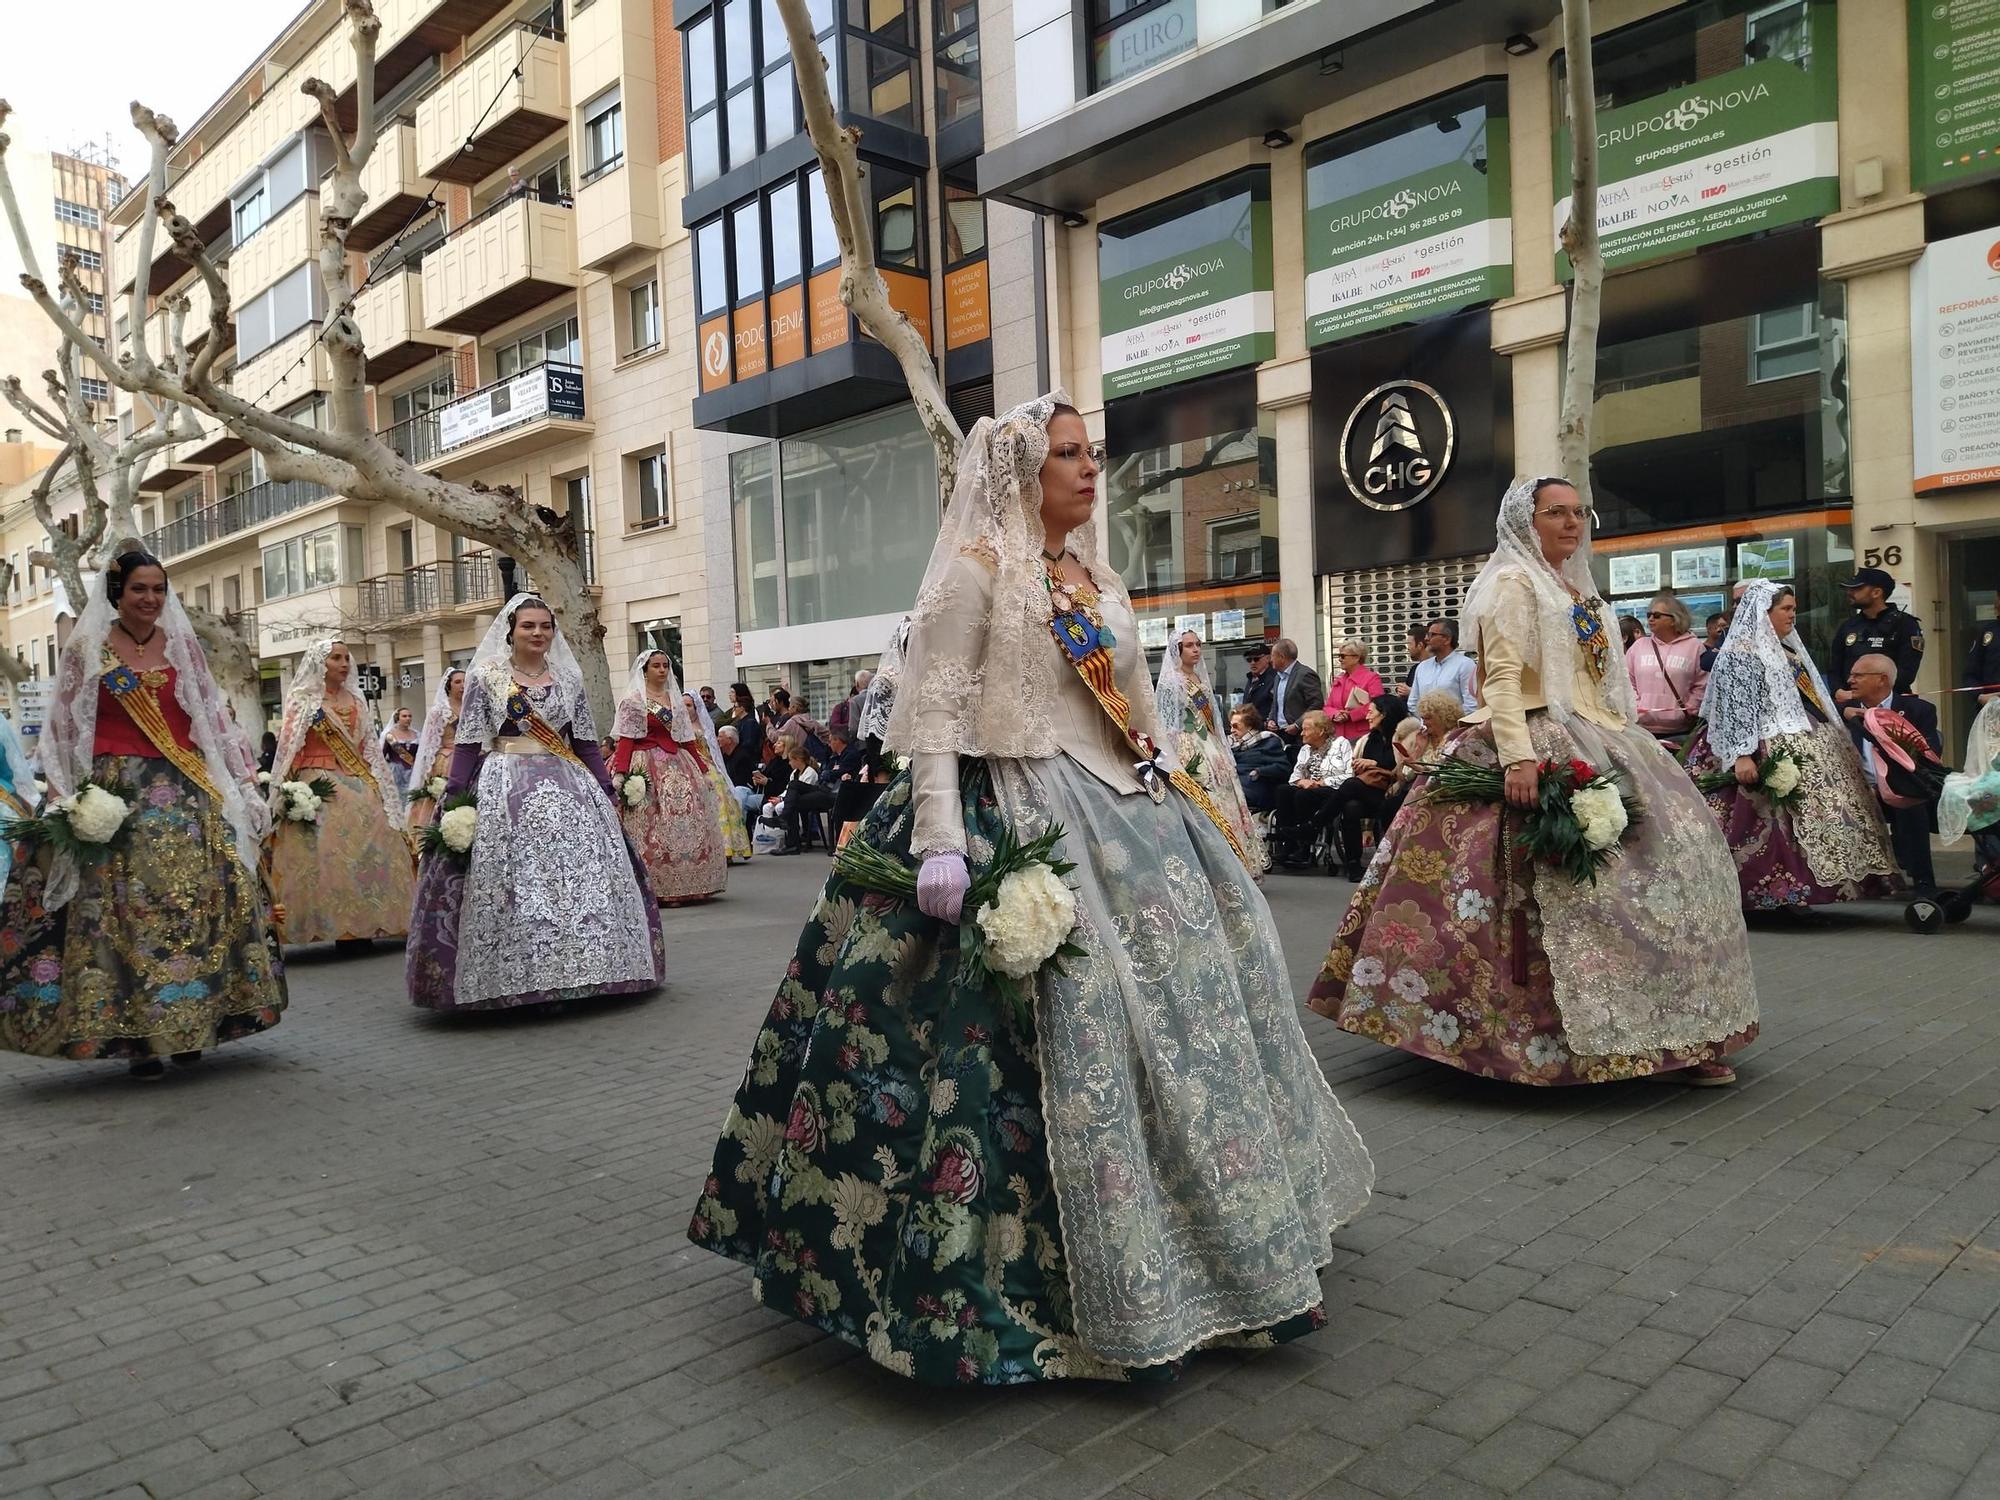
[
  {"x": 1876, "y": 628},
  {"x": 1982, "y": 660}
]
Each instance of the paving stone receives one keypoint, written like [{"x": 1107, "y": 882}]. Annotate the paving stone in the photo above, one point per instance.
[
  {"x": 1583, "y": 1403},
  {"x": 1833, "y": 1342},
  {"x": 1510, "y": 1457},
  {"x": 1785, "y": 1390},
  {"x": 1892, "y": 1387},
  {"x": 1621, "y": 1450},
  {"x": 1736, "y": 1348},
  {"x": 1837, "y": 1439}
]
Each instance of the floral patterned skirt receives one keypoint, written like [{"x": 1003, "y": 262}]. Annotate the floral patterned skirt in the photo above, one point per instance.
[
  {"x": 349, "y": 875},
  {"x": 735, "y": 837},
  {"x": 1831, "y": 846},
  {"x": 899, "y": 1166},
  {"x": 166, "y": 947},
  {"x": 1457, "y": 948},
  {"x": 677, "y": 829}
]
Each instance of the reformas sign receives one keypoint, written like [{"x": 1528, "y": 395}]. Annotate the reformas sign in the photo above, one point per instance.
[{"x": 1184, "y": 287}]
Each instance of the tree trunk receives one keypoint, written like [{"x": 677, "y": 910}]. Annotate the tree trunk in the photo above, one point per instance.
[
  {"x": 232, "y": 662},
  {"x": 1580, "y": 244}
]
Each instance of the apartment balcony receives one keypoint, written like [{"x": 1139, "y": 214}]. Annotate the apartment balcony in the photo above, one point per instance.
[
  {"x": 428, "y": 591},
  {"x": 295, "y": 366},
  {"x": 507, "y": 98},
  {"x": 506, "y": 261},
  {"x": 509, "y": 419},
  {"x": 395, "y": 188},
  {"x": 167, "y": 469},
  {"x": 217, "y": 443},
  {"x": 241, "y": 512},
  {"x": 390, "y": 315},
  {"x": 279, "y": 247}
]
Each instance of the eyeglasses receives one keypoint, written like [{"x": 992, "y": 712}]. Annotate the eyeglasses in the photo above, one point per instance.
[
  {"x": 1659, "y": 614},
  {"x": 1561, "y": 512},
  {"x": 1075, "y": 453}
]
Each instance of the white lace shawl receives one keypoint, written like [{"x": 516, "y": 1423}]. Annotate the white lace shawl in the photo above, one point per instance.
[
  {"x": 489, "y": 682},
  {"x": 1542, "y": 633},
  {"x": 1752, "y": 694},
  {"x": 630, "y": 720},
  {"x": 698, "y": 712},
  {"x": 69, "y": 742},
  {"x": 304, "y": 700},
  {"x": 1175, "y": 690},
  {"x": 432, "y": 739},
  {"x": 872, "y": 720},
  {"x": 1981, "y": 775},
  {"x": 985, "y": 698}
]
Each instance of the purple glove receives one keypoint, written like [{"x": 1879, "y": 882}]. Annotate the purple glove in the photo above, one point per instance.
[{"x": 941, "y": 886}]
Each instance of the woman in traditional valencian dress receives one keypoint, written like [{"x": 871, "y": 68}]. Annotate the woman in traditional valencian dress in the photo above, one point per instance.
[
  {"x": 735, "y": 836},
  {"x": 346, "y": 876},
  {"x": 553, "y": 904},
  {"x": 1765, "y": 698},
  {"x": 1141, "y": 1162},
  {"x": 1971, "y": 799},
  {"x": 162, "y": 945},
  {"x": 399, "y": 750},
  {"x": 19, "y": 796},
  {"x": 432, "y": 762},
  {"x": 676, "y": 826},
  {"x": 1458, "y": 949},
  {"x": 1188, "y": 710}
]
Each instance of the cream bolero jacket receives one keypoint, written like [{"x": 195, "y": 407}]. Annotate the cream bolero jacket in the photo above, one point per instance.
[
  {"x": 1510, "y": 686},
  {"x": 1083, "y": 729}
]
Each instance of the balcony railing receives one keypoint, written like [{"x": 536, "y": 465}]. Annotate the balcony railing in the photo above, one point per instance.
[
  {"x": 241, "y": 512},
  {"x": 509, "y": 96},
  {"x": 552, "y": 388},
  {"x": 428, "y": 589}
]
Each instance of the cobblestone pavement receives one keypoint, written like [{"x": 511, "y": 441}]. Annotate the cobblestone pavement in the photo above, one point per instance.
[{"x": 377, "y": 1252}]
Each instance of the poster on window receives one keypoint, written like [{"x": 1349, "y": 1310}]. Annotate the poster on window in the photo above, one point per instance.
[
  {"x": 1955, "y": 363},
  {"x": 1636, "y": 573},
  {"x": 1769, "y": 558},
  {"x": 1153, "y": 632},
  {"x": 1700, "y": 567},
  {"x": 1741, "y": 152},
  {"x": 1227, "y": 625},
  {"x": 1196, "y": 625}
]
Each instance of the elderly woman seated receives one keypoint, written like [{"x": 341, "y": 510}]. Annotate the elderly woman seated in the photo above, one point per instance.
[
  {"x": 1324, "y": 761},
  {"x": 1417, "y": 742},
  {"x": 1262, "y": 763}
]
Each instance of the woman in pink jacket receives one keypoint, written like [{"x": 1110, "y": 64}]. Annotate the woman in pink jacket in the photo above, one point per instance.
[{"x": 1351, "y": 692}]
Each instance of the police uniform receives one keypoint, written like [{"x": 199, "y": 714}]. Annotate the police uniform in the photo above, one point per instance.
[
  {"x": 1982, "y": 661},
  {"x": 1893, "y": 633}
]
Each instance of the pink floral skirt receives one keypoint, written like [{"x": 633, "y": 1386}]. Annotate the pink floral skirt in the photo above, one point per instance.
[
  {"x": 677, "y": 828},
  {"x": 1458, "y": 949}
]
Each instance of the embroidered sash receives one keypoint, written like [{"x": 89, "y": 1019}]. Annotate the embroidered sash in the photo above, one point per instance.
[
  {"x": 1590, "y": 636},
  {"x": 138, "y": 693},
  {"x": 346, "y": 758},
  {"x": 1086, "y": 646},
  {"x": 697, "y": 747},
  {"x": 1807, "y": 692},
  {"x": 538, "y": 729}
]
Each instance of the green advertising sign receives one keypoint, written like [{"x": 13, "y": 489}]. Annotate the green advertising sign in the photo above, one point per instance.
[
  {"x": 1954, "y": 90},
  {"x": 1204, "y": 309},
  {"x": 1747, "y": 150},
  {"x": 1421, "y": 245}
]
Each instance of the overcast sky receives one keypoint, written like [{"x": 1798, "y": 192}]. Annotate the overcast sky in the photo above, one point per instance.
[{"x": 71, "y": 71}]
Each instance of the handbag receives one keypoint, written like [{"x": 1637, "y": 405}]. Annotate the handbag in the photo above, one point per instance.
[{"x": 1658, "y": 721}]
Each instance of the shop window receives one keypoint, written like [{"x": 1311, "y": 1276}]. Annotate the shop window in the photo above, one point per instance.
[
  {"x": 1784, "y": 343},
  {"x": 753, "y": 518},
  {"x": 1127, "y": 37},
  {"x": 603, "y": 135},
  {"x": 860, "y": 511},
  {"x": 1703, "y": 40}
]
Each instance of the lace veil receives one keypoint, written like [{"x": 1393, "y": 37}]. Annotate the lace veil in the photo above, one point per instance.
[
  {"x": 303, "y": 701},
  {"x": 1176, "y": 689},
  {"x": 489, "y": 681},
  {"x": 1540, "y": 626},
  {"x": 69, "y": 741},
  {"x": 1751, "y": 692},
  {"x": 698, "y": 713},
  {"x": 1980, "y": 778},
  {"x": 432, "y": 739},
  {"x": 872, "y": 721},
  {"x": 987, "y": 699},
  {"x": 630, "y": 721}
]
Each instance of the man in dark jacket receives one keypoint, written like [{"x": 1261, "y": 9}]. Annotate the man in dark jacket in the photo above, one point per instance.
[
  {"x": 1876, "y": 626},
  {"x": 1257, "y": 686},
  {"x": 1295, "y": 692},
  {"x": 1872, "y": 684}
]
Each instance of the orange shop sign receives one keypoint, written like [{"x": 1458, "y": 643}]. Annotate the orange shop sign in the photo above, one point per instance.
[
  {"x": 714, "y": 338},
  {"x": 752, "y": 357},
  {"x": 967, "y": 306}
]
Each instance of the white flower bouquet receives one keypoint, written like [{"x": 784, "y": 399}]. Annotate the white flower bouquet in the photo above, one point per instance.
[
  {"x": 302, "y": 801},
  {"x": 1018, "y": 917},
  {"x": 81, "y": 824},
  {"x": 632, "y": 788},
  {"x": 1580, "y": 816},
  {"x": 427, "y": 791},
  {"x": 454, "y": 831},
  {"x": 1778, "y": 779}
]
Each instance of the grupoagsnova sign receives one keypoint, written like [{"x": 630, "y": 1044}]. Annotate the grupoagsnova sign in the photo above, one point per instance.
[
  {"x": 1191, "y": 314},
  {"x": 1954, "y": 90}
]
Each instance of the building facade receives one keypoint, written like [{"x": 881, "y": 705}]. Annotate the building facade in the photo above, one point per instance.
[
  {"x": 1308, "y": 286},
  {"x": 524, "y": 291},
  {"x": 806, "y": 424},
  {"x": 65, "y": 202}
]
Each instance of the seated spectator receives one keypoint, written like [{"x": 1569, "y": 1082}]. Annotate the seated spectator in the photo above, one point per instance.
[
  {"x": 1418, "y": 740},
  {"x": 1871, "y": 683},
  {"x": 804, "y": 794},
  {"x": 1324, "y": 762},
  {"x": 848, "y": 777},
  {"x": 1262, "y": 761},
  {"x": 739, "y": 764},
  {"x": 1372, "y": 777}
]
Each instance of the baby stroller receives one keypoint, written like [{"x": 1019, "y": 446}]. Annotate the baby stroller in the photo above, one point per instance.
[
  {"x": 1928, "y": 914},
  {"x": 1967, "y": 800}
]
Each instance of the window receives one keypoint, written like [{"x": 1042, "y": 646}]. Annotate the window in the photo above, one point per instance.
[
  {"x": 88, "y": 260},
  {"x": 279, "y": 311},
  {"x": 786, "y": 249},
  {"x": 881, "y": 61},
  {"x": 957, "y": 61},
  {"x": 201, "y": 596},
  {"x": 94, "y": 389},
  {"x": 1784, "y": 343},
  {"x": 711, "y": 269},
  {"x": 76, "y": 213},
  {"x": 317, "y": 560},
  {"x": 603, "y": 135},
  {"x": 823, "y": 241},
  {"x": 860, "y": 514},
  {"x": 739, "y": 74},
  {"x": 577, "y": 506},
  {"x": 704, "y": 129},
  {"x": 748, "y": 239},
  {"x": 652, "y": 499},
  {"x": 557, "y": 342},
  {"x": 898, "y": 218},
  {"x": 1129, "y": 36},
  {"x": 779, "y": 112},
  {"x": 739, "y": 90},
  {"x": 232, "y": 594},
  {"x": 93, "y": 303},
  {"x": 964, "y": 224},
  {"x": 49, "y": 647},
  {"x": 252, "y": 209},
  {"x": 754, "y": 526},
  {"x": 1236, "y": 549},
  {"x": 643, "y": 306}
]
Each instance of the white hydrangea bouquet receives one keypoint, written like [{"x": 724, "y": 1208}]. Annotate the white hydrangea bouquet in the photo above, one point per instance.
[
  {"x": 1580, "y": 817},
  {"x": 81, "y": 824},
  {"x": 1019, "y": 911},
  {"x": 1778, "y": 779},
  {"x": 632, "y": 788},
  {"x": 451, "y": 835},
  {"x": 426, "y": 791},
  {"x": 302, "y": 801}
]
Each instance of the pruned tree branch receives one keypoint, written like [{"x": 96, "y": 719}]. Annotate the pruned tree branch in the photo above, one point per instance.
[{"x": 1580, "y": 244}]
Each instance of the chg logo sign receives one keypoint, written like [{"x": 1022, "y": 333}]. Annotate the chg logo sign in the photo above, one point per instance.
[{"x": 1397, "y": 445}]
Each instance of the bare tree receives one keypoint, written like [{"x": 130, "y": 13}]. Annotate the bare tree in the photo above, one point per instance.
[
  {"x": 1579, "y": 242},
  {"x": 346, "y": 456},
  {"x": 862, "y": 289}
]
